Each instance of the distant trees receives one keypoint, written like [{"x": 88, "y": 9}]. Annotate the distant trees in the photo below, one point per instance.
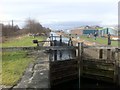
[
  {"x": 8, "y": 30},
  {"x": 31, "y": 26}
]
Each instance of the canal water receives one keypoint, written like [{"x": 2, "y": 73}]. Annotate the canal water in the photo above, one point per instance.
[
  {"x": 85, "y": 83},
  {"x": 62, "y": 54}
]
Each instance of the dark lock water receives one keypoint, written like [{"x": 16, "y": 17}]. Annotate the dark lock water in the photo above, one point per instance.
[{"x": 86, "y": 84}]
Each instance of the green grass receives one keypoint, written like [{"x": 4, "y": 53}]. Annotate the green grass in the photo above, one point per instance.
[
  {"x": 13, "y": 66},
  {"x": 22, "y": 41},
  {"x": 100, "y": 40}
]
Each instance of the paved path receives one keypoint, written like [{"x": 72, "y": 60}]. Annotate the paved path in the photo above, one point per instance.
[{"x": 37, "y": 74}]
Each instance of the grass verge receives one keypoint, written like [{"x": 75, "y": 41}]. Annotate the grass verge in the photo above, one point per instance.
[
  {"x": 13, "y": 66},
  {"x": 100, "y": 40},
  {"x": 22, "y": 41}
]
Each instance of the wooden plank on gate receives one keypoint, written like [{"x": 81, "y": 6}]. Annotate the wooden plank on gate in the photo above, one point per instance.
[{"x": 99, "y": 47}]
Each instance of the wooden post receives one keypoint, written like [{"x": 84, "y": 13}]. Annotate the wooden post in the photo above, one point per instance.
[
  {"x": 117, "y": 67},
  {"x": 74, "y": 52},
  {"x": 55, "y": 55},
  {"x": 52, "y": 37},
  {"x": 80, "y": 60},
  {"x": 60, "y": 54},
  {"x": 79, "y": 48},
  {"x": 100, "y": 53},
  {"x": 55, "y": 42},
  {"x": 108, "y": 54},
  {"x": 55, "y": 51},
  {"x": 60, "y": 40},
  {"x": 81, "y": 57},
  {"x": 51, "y": 43},
  {"x": 70, "y": 43},
  {"x": 51, "y": 40},
  {"x": 50, "y": 61}
]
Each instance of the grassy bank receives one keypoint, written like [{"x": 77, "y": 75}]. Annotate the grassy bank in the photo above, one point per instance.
[
  {"x": 13, "y": 66},
  {"x": 100, "y": 40},
  {"x": 22, "y": 41}
]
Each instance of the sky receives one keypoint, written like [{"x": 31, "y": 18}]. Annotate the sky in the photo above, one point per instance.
[{"x": 51, "y": 11}]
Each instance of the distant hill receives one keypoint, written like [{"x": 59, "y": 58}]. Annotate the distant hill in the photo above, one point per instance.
[{"x": 68, "y": 25}]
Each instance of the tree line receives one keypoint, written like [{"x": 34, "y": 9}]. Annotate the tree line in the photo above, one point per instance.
[{"x": 31, "y": 27}]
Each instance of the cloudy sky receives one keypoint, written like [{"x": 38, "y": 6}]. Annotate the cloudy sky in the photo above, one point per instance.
[{"x": 50, "y": 11}]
